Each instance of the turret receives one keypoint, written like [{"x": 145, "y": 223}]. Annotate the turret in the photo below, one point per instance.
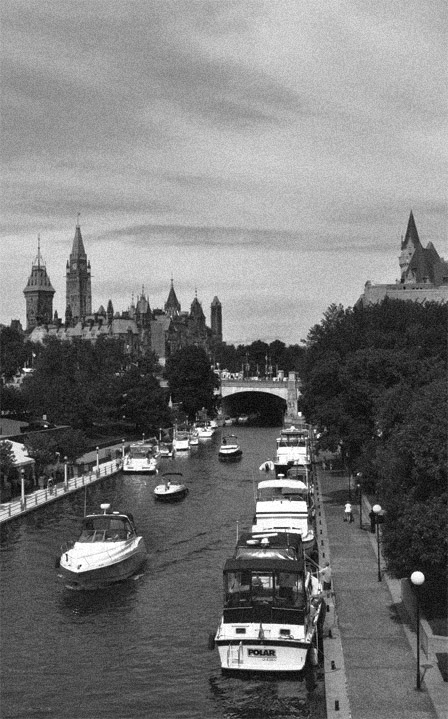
[{"x": 38, "y": 294}]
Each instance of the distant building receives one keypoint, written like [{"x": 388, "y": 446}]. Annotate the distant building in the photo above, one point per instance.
[
  {"x": 141, "y": 329},
  {"x": 78, "y": 282},
  {"x": 423, "y": 274},
  {"x": 38, "y": 294}
]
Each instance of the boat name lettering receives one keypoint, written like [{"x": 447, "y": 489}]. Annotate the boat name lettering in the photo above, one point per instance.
[{"x": 261, "y": 652}]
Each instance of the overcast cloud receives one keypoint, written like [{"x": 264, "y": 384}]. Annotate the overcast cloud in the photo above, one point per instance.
[{"x": 267, "y": 151}]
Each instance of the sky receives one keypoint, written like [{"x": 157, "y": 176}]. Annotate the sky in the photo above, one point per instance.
[{"x": 267, "y": 152}]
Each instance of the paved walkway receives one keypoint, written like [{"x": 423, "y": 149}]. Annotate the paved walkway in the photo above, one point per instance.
[{"x": 370, "y": 660}]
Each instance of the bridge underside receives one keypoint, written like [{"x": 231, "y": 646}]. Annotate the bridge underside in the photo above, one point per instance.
[{"x": 268, "y": 408}]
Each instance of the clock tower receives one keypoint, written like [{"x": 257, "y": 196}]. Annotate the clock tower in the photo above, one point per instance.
[{"x": 78, "y": 281}]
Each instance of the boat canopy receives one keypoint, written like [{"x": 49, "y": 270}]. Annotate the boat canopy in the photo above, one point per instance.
[{"x": 106, "y": 527}]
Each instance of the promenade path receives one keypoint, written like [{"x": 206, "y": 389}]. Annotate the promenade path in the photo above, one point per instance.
[{"x": 370, "y": 652}]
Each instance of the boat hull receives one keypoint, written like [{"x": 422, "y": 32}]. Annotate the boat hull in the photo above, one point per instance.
[
  {"x": 252, "y": 655},
  {"x": 230, "y": 454},
  {"x": 171, "y": 496},
  {"x": 100, "y": 577}
]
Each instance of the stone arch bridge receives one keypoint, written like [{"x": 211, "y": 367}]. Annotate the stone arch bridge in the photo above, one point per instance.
[{"x": 282, "y": 390}]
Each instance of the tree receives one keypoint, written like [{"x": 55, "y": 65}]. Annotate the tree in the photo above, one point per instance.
[
  {"x": 7, "y": 460},
  {"x": 191, "y": 380}
]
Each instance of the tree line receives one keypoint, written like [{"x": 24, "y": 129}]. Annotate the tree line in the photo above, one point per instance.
[{"x": 374, "y": 384}]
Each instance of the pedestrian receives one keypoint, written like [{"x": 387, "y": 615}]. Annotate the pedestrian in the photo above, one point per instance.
[
  {"x": 348, "y": 514},
  {"x": 372, "y": 517},
  {"x": 325, "y": 574}
]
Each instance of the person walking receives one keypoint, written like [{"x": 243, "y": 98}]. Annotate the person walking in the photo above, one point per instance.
[
  {"x": 348, "y": 514},
  {"x": 372, "y": 517}
]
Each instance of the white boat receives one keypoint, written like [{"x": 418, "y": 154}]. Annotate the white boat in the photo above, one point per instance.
[
  {"x": 243, "y": 419},
  {"x": 172, "y": 489},
  {"x": 230, "y": 449},
  {"x": 181, "y": 440},
  {"x": 194, "y": 437},
  {"x": 292, "y": 448},
  {"x": 165, "y": 449},
  {"x": 204, "y": 430},
  {"x": 284, "y": 505},
  {"x": 108, "y": 550},
  {"x": 143, "y": 458},
  {"x": 272, "y": 612}
]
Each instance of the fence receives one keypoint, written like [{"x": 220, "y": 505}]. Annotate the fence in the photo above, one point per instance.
[{"x": 42, "y": 497}]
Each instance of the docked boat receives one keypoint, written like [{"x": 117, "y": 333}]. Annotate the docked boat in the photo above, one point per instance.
[
  {"x": 272, "y": 613},
  {"x": 181, "y": 440},
  {"x": 107, "y": 551},
  {"x": 230, "y": 448},
  {"x": 194, "y": 437},
  {"x": 204, "y": 430},
  {"x": 172, "y": 488},
  {"x": 292, "y": 448},
  {"x": 143, "y": 458},
  {"x": 284, "y": 505},
  {"x": 165, "y": 449}
]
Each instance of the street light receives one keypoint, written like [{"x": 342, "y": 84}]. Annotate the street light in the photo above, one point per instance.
[
  {"x": 417, "y": 579},
  {"x": 66, "y": 472},
  {"x": 97, "y": 461},
  {"x": 122, "y": 448},
  {"x": 359, "y": 475},
  {"x": 377, "y": 509},
  {"x": 22, "y": 487}
]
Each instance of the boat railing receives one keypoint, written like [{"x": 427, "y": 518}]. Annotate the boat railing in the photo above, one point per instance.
[{"x": 41, "y": 497}]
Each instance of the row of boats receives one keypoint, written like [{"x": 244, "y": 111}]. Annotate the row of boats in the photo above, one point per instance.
[
  {"x": 273, "y": 607},
  {"x": 272, "y": 601}
]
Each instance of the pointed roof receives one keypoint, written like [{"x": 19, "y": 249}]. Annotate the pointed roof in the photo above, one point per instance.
[
  {"x": 38, "y": 279},
  {"x": 215, "y": 301},
  {"x": 78, "y": 245},
  {"x": 172, "y": 304},
  {"x": 411, "y": 235}
]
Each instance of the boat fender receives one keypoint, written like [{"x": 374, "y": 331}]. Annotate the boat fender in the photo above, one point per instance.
[{"x": 211, "y": 641}]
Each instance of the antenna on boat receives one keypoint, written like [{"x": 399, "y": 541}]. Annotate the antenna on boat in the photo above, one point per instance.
[{"x": 237, "y": 530}]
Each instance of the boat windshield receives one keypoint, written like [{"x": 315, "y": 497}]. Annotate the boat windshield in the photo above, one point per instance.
[
  {"x": 269, "y": 494},
  {"x": 141, "y": 451},
  {"x": 105, "y": 528},
  {"x": 249, "y": 587}
]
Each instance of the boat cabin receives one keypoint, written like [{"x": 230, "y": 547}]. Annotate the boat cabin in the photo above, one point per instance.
[
  {"x": 141, "y": 450},
  {"x": 278, "y": 489},
  {"x": 107, "y": 528}
]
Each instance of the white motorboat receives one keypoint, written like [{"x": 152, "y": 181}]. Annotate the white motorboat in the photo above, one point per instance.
[
  {"x": 194, "y": 437},
  {"x": 108, "y": 550},
  {"x": 181, "y": 440},
  {"x": 272, "y": 614},
  {"x": 143, "y": 458},
  {"x": 204, "y": 430},
  {"x": 230, "y": 448},
  {"x": 284, "y": 505},
  {"x": 172, "y": 488},
  {"x": 292, "y": 448}
]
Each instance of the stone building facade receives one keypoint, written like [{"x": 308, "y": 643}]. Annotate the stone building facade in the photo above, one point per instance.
[{"x": 141, "y": 329}]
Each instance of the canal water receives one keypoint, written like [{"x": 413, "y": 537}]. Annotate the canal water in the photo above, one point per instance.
[{"x": 138, "y": 649}]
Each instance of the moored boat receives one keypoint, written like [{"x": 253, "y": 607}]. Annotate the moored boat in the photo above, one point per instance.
[
  {"x": 230, "y": 448},
  {"x": 292, "y": 448},
  {"x": 107, "y": 551},
  {"x": 172, "y": 488},
  {"x": 181, "y": 440},
  {"x": 143, "y": 458},
  {"x": 284, "y": 505},
  {"x": 272, "y": 607}
]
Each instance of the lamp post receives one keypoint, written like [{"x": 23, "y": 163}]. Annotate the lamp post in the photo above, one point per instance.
[
  {"x": 97, "y": 462},
  {"x": 417, "y": 579},
  {"x": 22, "y": 487},
  {"x": 377, "y": 509},
  {"x": 66, "y": 472},
  {"x": 359, "y": 475},
  {"x": 122, "y": 448}
]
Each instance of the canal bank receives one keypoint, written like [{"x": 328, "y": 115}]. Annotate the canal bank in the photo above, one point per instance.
[{"x": 370, "y": 653}]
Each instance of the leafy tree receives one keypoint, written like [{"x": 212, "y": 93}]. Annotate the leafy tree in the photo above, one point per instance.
[
  {"x": 191, "y": 380},
  {"x": 14, "y": 352},
  {"x": 7, "y": 459}
]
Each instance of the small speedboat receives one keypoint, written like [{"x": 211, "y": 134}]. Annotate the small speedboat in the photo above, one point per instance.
[
  {"x": 143, "y": 458},
  {"x": 172, "y": 488},
  {"x": 230, "y": 449},
  {"x": 107, "y": 551}
]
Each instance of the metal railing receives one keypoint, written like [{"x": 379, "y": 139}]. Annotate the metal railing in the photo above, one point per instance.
[{"x": 41, "y": 497}]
